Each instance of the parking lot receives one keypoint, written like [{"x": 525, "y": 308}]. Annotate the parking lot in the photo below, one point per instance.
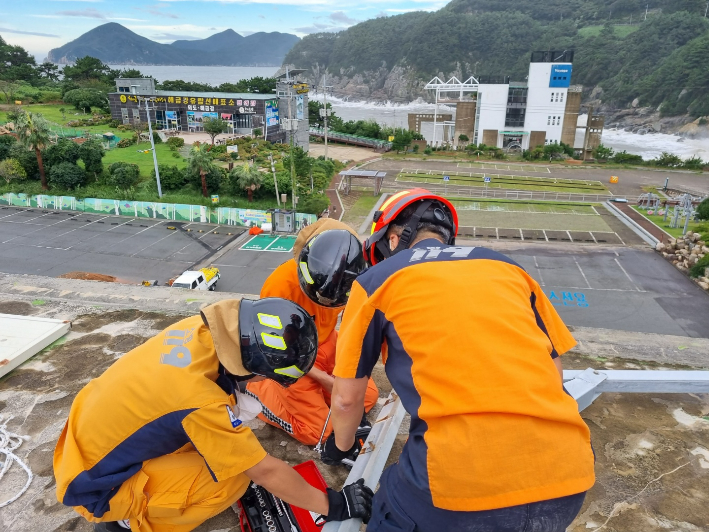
[{"x": 617, "y": 288}]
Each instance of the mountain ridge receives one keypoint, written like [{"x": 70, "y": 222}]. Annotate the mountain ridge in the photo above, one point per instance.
[{"x": 113, "y": 43}]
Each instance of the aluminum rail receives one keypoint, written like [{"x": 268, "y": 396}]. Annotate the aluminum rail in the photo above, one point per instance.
[
  {"x": 371, "y": 461},
  {"x": 583, "y": 385}
]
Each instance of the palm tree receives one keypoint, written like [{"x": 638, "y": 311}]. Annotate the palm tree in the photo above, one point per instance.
[
  {"x": 247, "y": 178},
  {"x": 33, "y": 131},
  {"x": 201, "y": 161}
]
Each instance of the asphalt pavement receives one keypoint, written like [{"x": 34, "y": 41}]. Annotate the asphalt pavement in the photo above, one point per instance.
[{"x": 591, "y": 285}]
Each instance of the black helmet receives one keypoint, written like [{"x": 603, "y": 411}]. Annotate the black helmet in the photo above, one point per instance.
[
  {"x": 278, "y": 339},
  {"x": 327, "y": 266}
]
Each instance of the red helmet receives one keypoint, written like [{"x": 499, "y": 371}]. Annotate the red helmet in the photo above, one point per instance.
[{"x": 375, "y": 248}]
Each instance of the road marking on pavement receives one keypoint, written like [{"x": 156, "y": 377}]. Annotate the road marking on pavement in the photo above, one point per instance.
[
  {"x": 43, "y": 227},
  {"x": 582, "y": 272},
  {"x": 539, "y": 273},
  {"x": 142, "y": 230},
  {"x": 627, "y": 275},
  {"x": 104, "y": 232},
  {"x": 75, "y": 229},
  {"x": 153, "y": 243}
]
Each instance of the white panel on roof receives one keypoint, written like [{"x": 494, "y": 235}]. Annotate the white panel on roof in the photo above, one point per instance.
[{"x": 22, "y": 337}]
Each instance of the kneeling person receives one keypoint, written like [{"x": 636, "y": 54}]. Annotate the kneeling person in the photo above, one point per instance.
[
  {"x": 327, "y": 259},
  {"x": 158, "y": 442}
]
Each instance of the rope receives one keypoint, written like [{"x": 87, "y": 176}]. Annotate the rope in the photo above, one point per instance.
[{"x": 10, "y": 441}]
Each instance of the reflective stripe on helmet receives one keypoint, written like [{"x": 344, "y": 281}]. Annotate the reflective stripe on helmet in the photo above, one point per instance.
[
  {"x": 273, "y": 341},
  {"x": 269, "y": 320},
  {"x": 386, "y": 204},
  {"x": 305, "y": 272},
  {"x": 291, "y": 371}
]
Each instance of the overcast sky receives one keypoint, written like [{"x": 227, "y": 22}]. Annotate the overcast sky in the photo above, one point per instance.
[{"x": 41, "y": 25}]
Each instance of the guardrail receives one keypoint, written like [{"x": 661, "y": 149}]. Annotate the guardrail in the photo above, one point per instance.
[
  {"x": 583, "y": 385},
  {"x": 352, "y": 139}
]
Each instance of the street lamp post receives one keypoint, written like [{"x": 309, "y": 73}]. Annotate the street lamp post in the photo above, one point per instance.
[{"x": 152, "y": 148}]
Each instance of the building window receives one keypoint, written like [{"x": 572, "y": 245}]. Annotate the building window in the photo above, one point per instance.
[
  {"x": 558, "y": 120},
  {"x": 517, "y": 96},
  {"x": 548, "y": 120},
  {"x": 562, "y": 97},
  {"x": 124, "y": 89},
  {"x": 515, "y": 117}
]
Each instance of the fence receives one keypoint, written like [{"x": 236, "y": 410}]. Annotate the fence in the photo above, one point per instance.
[
  {"x": 149, "y": 209},
  {"x": 352, "y": 139}
]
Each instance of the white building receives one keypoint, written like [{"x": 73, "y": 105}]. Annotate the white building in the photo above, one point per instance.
[{"x": 539, "y": 111}]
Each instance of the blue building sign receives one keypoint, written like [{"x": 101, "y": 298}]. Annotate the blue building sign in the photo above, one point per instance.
[{"x": 560, "y": 75}]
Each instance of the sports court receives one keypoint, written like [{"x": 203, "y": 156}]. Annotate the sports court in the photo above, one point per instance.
[
  {"x": 492, "y": 181},
  {"x": 505, "y": 166},
  {"x": 270, "y": 243}
]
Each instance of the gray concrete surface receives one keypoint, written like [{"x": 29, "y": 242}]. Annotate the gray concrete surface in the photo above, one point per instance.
[{"x": 640, "y": 439}]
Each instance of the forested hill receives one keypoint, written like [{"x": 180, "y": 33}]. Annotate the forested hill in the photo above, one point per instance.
[{"x": 660, "y": 60}]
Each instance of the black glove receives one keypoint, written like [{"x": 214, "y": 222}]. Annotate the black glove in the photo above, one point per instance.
[
  {"x": 331, "y": 455},
  {"x": 355, "y": 500}
]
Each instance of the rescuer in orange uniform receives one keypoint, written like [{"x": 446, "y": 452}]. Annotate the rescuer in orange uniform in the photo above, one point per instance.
[
  {"x": 473, "y": 344},
  {"x": 327, "y": 258},
  {"x": 158, "y": 443}
]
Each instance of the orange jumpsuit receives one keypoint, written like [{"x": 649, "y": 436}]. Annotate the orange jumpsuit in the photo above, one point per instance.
[{"x": 302, "y": 408}]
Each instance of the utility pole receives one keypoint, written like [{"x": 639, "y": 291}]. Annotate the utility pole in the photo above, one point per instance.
[
  {"x": 290, "y": 149},
  {"x": 276, "y": 185},
  {"x": 646, "y": 14},
  {"x": 586, "y": 133},
  {"x": 325, "y": 113},
  {"x": 152, "y": 147}
]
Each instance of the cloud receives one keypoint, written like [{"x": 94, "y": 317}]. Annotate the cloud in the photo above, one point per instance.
[
  {"x": 339, "y": 16},
  {"x": 173, "y": 37},
  {"x": 318, "y": 28},
  {"x": 7, "y": 30},
  {"x": 89, "y": 12}
]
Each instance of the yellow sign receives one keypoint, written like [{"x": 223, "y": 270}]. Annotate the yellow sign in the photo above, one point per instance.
[
  {"x": 195, "y": 103},
  {"x": 613, "y": 179},
  {"x": 301, "y": 88},
  {"x": 390, "y": 138},
  {"x": 18, "y": 102},
  {"x": 123, "y": 98}
]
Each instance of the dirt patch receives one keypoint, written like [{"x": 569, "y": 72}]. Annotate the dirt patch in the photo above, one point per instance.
[
  {"x": 19, "y": 308},
  {"x": 85, "y": 276},
  {"x": 91, "y": 322}
]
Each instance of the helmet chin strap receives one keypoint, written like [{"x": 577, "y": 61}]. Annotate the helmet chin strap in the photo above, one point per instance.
[{"x": 410, "y": 229}]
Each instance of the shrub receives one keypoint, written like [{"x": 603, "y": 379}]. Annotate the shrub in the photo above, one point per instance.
[
  {"x": 698, "y": 269},
  {"x": 694, "y": 163},
  {"x": 621, "y": 157},
  {"x": 313, "y": 203},
  {"x": 125, "y": 143},
  {"x": 171, "y": 177},
  {"x": 6, "y": 143},
  {"x": 92, "y": 153},
  {"x": 702, "y": 210},
  {"x": 415, "y": 148},
  {"x": 668, "y": 160},
  {"x": 176, "y": 142},
  {"x": 11, "y": 170},
  {"x": 427, "y": 150},
  {"x": 258, "y": 132},
  {"x": 27, "y": 158},
  {"x": 64, "y": 151},
  {"x": 214, "y": 178},
  {"x": 67, "y": 175},
  {"x": 124, "y": 175},
  {"x": 156, "y": 138}
]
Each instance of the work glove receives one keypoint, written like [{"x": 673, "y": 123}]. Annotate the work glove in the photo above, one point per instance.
[
  {"x": 331, "y": 455},
  {"x": 355, "y": 500}
]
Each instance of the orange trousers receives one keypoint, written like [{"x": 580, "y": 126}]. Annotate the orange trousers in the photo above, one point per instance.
[
  {"x": 302, "y": 408},
  {"x": 171, "y": 493}
]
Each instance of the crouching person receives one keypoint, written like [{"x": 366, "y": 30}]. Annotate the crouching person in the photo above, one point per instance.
[{"x": 158, "y": 442}]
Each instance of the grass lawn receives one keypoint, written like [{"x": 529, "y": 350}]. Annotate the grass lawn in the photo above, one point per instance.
[
  {"x": 357, "y": 212},
  {"x": 676, "y": 232},
  {"x": 619, "y": 31},
  {"x": 143, "y": 160},
  {"x": 467, "y": 204},
  {"x": 511, "y": 182}
]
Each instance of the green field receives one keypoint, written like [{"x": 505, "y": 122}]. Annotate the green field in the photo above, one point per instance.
[
  {"x": 619, "y": 31},
  {"x": 536, "y": 207},
  {"x": 540, "y": 184}
]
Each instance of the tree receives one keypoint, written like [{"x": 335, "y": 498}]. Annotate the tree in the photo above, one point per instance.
[
  {"x": 6, "y": 143},
  {"x": 603, "y": 153},
  {"x": 33, "y": 131},
  {"x": 11, "y": 169},
  {"x": 92, "y": 153},
  {"x": 171, "y": 177},
  {"x": 314, "y": 203},
  {"x": 702, "y": 210},
  {"x": 64, "y": 151},
  {"x": 67, "y": 176},
  {"x": 85, "y": 99},
  {"x": 87, "y": 68},
  {"x": 124, "y": 175},
  {"x": 16, "y": 63},
  {"x": 402, "y": 140},
  {"x": 49, "y": 70},
  {"x": 214, "y": 127},
  {"x": 463, "y": 138},
  {"x": 201, "y": 162},
  {"x": 247, "y": 178},
  {"x": 8, "y": 89}
]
